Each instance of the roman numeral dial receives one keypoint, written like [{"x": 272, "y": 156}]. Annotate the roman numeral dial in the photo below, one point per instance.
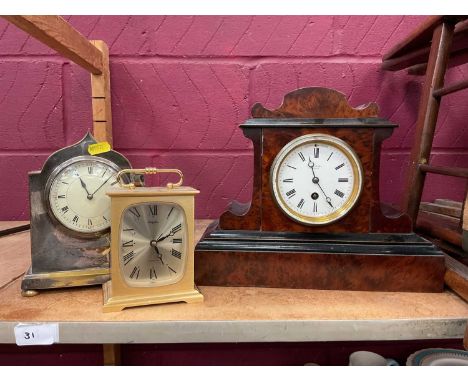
[
  {"x": 316, "y": 179},
  {"x": 76, "y": 193},
  {"x": 153, "y": 241}
]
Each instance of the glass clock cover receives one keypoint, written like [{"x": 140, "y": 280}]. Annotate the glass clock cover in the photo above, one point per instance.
[
  {"x": 153, "y": 239},
  {"x": 316, "y": 179},
  {"x": 76, "y": 193}
]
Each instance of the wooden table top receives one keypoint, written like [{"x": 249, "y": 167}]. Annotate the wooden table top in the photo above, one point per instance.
[{"x": 356, "y": 314}]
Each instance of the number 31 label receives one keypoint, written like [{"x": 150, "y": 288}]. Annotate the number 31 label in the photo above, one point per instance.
[{"x": 36, "y": 334}]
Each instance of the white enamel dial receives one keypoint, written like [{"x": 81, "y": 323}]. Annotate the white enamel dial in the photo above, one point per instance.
[
  {"x": 316, "y": 179},
  {"x": 77, "y": 196},
  {"x": 153, "y": 241}
]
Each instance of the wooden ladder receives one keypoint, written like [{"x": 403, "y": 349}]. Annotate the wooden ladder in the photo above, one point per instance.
[{"x": 428, "y": 50}]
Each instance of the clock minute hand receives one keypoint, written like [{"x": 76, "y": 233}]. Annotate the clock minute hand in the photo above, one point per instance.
[
  {"x": 97, "y": 189},
  {"x": 326, "y": 197},
  {"x": 317, "y": 181},
  {"x": 164, "y": 237}
]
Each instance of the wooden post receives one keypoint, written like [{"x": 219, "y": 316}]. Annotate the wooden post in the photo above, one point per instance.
[
  {"x": 111, "y": 354},
  {"x": 465, "y": 339},
  {"x": 465, "y": 223},
  {"x": 427, "y": 116},
  {"x": 101, "y": 97},
  {"x": 56, "y": 33},
  {"x": 93, "y": 56}
]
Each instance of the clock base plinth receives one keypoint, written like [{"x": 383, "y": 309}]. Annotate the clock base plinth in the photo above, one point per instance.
[
  {"x": 118, "y": 303},
  {"x": 32, "y": 283},
  {"x": 361, "y": 262}
]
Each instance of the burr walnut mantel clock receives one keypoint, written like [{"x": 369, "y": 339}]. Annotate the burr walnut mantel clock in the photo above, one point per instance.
[
  {"x": 70, "y": 217},
  {"x": 152, "y": 244},
  {"x": 315, "y": 219}
]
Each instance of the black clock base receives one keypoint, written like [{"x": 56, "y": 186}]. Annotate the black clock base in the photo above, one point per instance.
[{"x": 364, "y": 262}]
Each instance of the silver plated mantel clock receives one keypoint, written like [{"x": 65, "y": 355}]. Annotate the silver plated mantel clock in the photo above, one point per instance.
[{"x": 70, "y": 218}]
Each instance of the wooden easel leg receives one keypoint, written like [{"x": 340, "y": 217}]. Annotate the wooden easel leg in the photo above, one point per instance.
[
  {"x": 465, "y": 339},
  {"x": 427, "y": 116},
  {"x": 111, "y": 354}
]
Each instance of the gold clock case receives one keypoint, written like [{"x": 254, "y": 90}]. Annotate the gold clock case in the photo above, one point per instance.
[{"x": 117, "y": 294}]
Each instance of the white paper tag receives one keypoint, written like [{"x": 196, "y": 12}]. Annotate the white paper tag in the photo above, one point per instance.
[{"x": 36, "y": 334}]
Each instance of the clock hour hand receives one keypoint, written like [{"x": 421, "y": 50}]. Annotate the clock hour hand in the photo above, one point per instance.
[
  {"x": 314, "y": 179},
  {"x": 159, "y": 255},
  {"x": 311, "y": 165},
  {"x": 83, "y": 184},
  {"x": 153, "y": 243}
]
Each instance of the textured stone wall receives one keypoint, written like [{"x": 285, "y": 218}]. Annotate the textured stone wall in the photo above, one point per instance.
[{"x": 182, "y": 84}]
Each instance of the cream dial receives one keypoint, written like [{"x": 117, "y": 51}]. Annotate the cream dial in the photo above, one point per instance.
[
  {"x": 316, "y": 179},
  {"x": 77, "y": 194},
  {"x": 153, "y": 240}
]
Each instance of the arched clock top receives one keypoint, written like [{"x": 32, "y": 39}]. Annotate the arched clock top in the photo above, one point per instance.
[
  {"x": 77, "y": 149},
  {"x": 316, "y": 102}
]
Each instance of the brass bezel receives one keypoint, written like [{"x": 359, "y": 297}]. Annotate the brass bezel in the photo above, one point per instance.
[{"x": 357, "y": 184}]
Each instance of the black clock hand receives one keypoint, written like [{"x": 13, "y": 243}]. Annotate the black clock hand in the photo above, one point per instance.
[
  {"x": 153, "y": 243},
  {"x": 97, "y": 189},
  {"x": 316, "y": 181},
  {"x": 164, "y": 237},
  {"x": 159, "y": 255},
  {"x": 311, "y": 165},
  {"x": 326, "y": 197},
  {"x": 83, "y": 184}
]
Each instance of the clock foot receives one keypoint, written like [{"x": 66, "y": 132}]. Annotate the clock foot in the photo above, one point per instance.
[
  {"x": 116, "y": 303},
  {"x": 29, "y": 293}
]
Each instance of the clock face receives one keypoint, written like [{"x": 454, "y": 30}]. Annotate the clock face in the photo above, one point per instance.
[
  {"x": 153, "y": 240},
  {"x": 316, "y": 179},
  {"x": 76, "y": 193}
]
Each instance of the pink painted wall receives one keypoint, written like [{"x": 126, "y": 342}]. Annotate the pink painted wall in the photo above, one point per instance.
[{"x": 182, "y": 84}]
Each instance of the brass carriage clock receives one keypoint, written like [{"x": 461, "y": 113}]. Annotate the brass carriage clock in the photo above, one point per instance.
[{"x": 152, "y": 244}]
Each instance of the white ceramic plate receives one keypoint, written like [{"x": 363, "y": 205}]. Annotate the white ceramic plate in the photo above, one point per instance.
[{"x": 438, "y": 357}]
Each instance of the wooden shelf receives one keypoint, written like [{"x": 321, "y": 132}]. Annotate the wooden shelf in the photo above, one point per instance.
[{"x": 228, "y": 314}]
